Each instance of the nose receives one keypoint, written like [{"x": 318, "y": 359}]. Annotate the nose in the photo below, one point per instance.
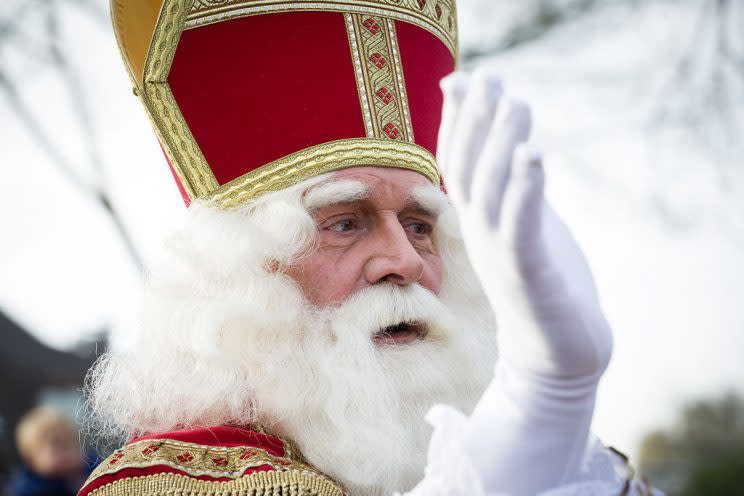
[{"x": 394, "y": 258}]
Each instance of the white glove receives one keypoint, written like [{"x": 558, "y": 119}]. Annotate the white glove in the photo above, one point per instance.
[{"x": 529, "y": 431}]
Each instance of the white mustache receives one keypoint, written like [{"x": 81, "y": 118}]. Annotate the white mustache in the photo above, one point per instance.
[{"x": 385, "y": 305}]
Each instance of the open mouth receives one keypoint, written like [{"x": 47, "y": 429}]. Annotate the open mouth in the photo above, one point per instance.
[{"x": 402, "y": 333}]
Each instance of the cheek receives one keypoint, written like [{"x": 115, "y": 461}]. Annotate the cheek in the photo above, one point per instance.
[
  {"x": 326, "y": 277},
  {"x": 44, "y": 461},
  {"x": 432, "y": 276}
]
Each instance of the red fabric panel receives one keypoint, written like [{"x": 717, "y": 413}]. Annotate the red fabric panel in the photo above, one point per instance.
[
  {"x": 255, "y": 89},
  {"x": 422, "y": 74},
  {"x": 223, "y": 436}
]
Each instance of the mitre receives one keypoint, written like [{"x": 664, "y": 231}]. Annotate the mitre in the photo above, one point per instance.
[{"x": 252, "y": 96}]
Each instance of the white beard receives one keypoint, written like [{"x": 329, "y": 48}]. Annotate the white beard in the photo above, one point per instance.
[
  {"x": 226, "y": 341},
  {"x": 357, "y": 409}
]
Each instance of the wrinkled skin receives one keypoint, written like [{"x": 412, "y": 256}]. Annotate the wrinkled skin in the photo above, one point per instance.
[{"x": 382, "y": 238}]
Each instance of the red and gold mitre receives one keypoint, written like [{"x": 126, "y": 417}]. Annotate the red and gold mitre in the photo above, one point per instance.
[{"x": 252, "y": 96}]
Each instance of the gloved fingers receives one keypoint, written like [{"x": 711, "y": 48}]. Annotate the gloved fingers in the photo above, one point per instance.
[
  {"x": 570, "y": 337},
  {"x": 471, "y": 129},
  {"x": 454, "y": 88},
  {"x": 511, "y": 127},
  {"x": 564, "y": 248},
  {"x": 521, "y": 222}
]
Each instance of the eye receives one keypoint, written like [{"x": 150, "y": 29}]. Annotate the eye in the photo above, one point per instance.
[
  {"x": 419, "y": 228},
  {"x": 345, "y": 225}
]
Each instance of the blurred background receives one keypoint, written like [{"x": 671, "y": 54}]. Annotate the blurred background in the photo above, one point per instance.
[{"x": 639, "y": 106}]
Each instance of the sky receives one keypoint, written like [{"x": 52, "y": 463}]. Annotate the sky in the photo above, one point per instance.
[{"x": 644, "y": 200}]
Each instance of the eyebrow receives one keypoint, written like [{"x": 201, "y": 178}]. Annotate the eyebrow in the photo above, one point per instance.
[
  {"x": 428, "y": 199},
  {"x": 334, "y": 192}
]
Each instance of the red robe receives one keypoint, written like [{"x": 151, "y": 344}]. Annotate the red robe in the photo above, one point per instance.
[{"x": 223, "y": 461}]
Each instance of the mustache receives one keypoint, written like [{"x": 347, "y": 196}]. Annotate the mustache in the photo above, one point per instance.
[{"x": 384, "y": 307}]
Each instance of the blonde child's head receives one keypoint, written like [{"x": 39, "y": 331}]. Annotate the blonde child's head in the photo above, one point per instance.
[{"x": 48, "y": 443}]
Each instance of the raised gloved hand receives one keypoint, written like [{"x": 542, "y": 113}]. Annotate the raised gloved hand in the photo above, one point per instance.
[{"x": 529, "y": 431}]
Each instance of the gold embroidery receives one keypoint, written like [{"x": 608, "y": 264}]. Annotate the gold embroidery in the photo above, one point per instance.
[
  {"x": 165, "y": 39},
  {"x": 381, "y": 87},
  {"x": 197, "y": 459},
  {"x": 324, "y": 158},
  {"x": 436, "y": 16},
  {"x": 400, "y": 80},
  {"x": 356, "y": 57},
  {"x": 184, "y": 153},
  {"x": 179, "y": 144},
  {"x": 256, "y": 484}
]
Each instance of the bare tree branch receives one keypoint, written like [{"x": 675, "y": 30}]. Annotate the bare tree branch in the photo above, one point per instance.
[
  {"x": 40, "y": 136},
  {"x": 50, "y": 54},
  {"x": 544, "y": 16},
  {"x": 699, "y": 87}
]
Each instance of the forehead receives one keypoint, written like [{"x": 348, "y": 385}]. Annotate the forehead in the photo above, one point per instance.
[
  {"x": 382, "y": 180},
  {"x": 382, "y": 187}
]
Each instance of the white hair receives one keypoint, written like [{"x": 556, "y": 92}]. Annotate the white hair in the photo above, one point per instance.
[{"x": 228, "y": 338}]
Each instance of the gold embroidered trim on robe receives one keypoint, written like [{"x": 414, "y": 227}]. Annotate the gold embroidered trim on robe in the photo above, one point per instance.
[
  {"x": 290, "y": 474},
  {"x": 270, "y": 483}
]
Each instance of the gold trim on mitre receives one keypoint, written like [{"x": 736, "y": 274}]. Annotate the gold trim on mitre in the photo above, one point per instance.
[
  {"x": 319, "y": 159},
  {"x": 379, "y": 74},
  {"x": 148, "y": 32},
  {"x": 439, "y": 17}
]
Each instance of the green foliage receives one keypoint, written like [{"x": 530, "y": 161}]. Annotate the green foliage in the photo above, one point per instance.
[
  {"x": 724, "y": 475},
  {"x": 702, "y": 454}
]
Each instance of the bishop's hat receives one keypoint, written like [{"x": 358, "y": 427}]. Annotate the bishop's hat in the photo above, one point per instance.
[{"x": 251, "y": 96}]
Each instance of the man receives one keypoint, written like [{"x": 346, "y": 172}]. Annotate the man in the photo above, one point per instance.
[{"x": 323, "y": 295}]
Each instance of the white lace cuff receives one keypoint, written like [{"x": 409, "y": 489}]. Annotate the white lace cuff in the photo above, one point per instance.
[{"x": 449, "y": 471}]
